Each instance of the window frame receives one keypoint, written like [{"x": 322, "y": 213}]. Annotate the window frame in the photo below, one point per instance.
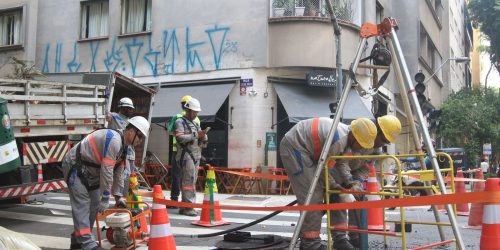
[
  {"x": 124, "y": 19},
  {"x": 22, "y": 29},
  {"x": 83, "y": 4}
]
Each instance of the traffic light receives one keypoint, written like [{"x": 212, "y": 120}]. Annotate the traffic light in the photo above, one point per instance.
[
  {"x": 434, "y": 118},
  {"x": 420, "y": 88},
  {"x": 333, "y": 109}
]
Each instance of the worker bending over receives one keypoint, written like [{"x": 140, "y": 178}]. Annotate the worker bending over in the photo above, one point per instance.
[
  {"x": 388, "y": 129},
  {"x": 93, "y": 170},
  {"x": 300, "y": 150}
]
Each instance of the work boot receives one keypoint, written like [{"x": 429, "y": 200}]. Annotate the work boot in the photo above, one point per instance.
[
  {"x": 343, "y": 244},
  {"x": 355, "y": 242},
  {"x": 188, "y": 212},
  {"x": 75, "y": 246},
  {"x": 313, "y": 244}
]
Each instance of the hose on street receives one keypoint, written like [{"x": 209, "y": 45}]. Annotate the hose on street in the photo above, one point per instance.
[{"x": 238, "y": 227}]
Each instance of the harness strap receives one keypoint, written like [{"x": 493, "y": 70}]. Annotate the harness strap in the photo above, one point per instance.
[{"x": 315, "y": 137}]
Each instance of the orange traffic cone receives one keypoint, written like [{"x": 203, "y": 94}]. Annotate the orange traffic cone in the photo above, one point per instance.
[
  {"x": 210, "y": 217},
  {"x": 490, "y": 236},
  {"x": 161, "y": 237},
  {"x": 375, "y": 215},
  {"x": 462, "y": 209},
  {"x": 476, "y": 209}
]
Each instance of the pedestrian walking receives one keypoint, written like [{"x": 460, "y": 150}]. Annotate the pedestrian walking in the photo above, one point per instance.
[
  {"x": 485, "y": 166},
  {"x": 300, "y": 150},
  {"x": 93, "y": 170}
]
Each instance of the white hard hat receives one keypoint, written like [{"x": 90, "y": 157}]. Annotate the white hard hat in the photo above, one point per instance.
[
  {"x": 193, "y": 104},
  {"x": 126, "y": 102},
  {"x": 141, "y": 124}
]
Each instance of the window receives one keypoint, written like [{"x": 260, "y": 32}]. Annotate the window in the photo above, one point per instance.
[
  {"x": 136, "y": 16},
  {"x": 423, "y": 42},
  {"x": 379, "y": 16},
  {"x": 10, "y": 27},
  {"x": 95, "y": 19}
]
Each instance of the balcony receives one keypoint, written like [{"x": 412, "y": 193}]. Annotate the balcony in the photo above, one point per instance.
[
  {"x": 301, "y": 33},
  {"x": 345, "y": 10}
]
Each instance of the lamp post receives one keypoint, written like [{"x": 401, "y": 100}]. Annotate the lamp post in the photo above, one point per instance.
[{"x": 461, "y": 59}]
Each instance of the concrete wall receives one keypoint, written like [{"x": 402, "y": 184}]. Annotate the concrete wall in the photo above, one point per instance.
[
  {"x": 27, "y": 52},
  {"x": 182, "y": 40},
  {"x": 313, "y": 44}
]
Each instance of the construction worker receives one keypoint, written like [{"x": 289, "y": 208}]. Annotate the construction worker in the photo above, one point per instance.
[
  {"x": 119, "y": 121},
  {"x": 93, "y": 171},
  {"x": 176, "y": 172},
  {"x": 189, "y": 135},
  {"x": 300, "y": 150},
  {"x": 388, "y": 129}
]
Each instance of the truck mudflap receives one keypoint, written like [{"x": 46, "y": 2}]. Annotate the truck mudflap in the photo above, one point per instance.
[{"x": 10, "y": 192}]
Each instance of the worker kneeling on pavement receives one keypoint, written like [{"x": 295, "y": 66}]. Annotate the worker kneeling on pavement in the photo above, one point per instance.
[
  {"x": 352, "y": 177},
  {"x": 93, "y": 170},
  {"x": 300, "y": 150}
]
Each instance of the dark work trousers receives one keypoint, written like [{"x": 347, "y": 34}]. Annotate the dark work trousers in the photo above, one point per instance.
[{"x": 176, "y": 178}]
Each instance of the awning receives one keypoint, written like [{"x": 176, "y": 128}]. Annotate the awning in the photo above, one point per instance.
[
  {"x": 303, "y": 102},
  {"x": 211, "y": 97}
]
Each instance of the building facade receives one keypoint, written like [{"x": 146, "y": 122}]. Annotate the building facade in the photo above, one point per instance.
[{"x": 247, "y": 61}]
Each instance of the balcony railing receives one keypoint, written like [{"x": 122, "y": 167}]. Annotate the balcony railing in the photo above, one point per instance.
[{"x": 345, "y": 10}]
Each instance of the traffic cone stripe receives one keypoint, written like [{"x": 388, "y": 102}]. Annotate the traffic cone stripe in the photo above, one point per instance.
[
  {"x": 491, "y": 214},
  {"x": 207, "y": 197},
  {"x": 158, "y": 206},
  {"x": 162, "y": 230},
  {"x": 372, "y": 179}
]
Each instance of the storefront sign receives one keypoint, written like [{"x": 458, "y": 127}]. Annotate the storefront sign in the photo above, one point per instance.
[{"x": 322, "y": 78}]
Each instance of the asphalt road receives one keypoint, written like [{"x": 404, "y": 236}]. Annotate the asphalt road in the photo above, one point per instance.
[{"x": 48, "y": 223}]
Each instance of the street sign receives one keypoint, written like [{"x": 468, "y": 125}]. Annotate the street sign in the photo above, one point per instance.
[{"x": 487, "y": 149}]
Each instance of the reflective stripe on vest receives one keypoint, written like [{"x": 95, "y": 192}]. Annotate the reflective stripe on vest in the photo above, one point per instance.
[
  {"x": 315, "y": 137},
  {"x": 310, "y": 234}
]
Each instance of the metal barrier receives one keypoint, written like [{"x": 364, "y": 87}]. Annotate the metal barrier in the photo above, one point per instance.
[{"x": 424, "y": 175}]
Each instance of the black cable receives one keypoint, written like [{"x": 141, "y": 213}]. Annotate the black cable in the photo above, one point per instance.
[{"x": 239, "y": 227}]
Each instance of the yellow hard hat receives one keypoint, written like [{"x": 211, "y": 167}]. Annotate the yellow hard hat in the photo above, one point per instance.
[
  {"x": 185, "y": 98},
  {"x": 365, "y": 132},
  {"x": 390, "y": 126}
]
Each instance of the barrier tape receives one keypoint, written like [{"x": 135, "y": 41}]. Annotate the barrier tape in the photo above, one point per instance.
[
  {"x": 250, "y": 174},
  {"x": 443, "y": 199},
  {"x": 418, "y": 177}
]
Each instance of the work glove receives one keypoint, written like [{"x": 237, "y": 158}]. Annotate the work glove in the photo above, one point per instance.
[
  {"x": 357, "y": 186},
  {"x": 103, "y": 205},
  {"x": 120, "y": 202}
]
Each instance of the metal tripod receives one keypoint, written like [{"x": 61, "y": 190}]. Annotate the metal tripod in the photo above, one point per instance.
[{"x": 387, "y": 29}]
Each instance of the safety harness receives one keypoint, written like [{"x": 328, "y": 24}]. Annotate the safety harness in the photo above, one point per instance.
[
  {"x": 184, "y": 146},
  {"x": 78, "y": 169}
]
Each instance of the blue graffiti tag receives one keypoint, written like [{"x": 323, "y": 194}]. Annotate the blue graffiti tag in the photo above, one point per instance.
[
  {"x": 57, "y": 60},
  {"x": 133, "y": 58},
  {"x": 152, "y": 58},
  {"x": 93, "y": 51},
  {"x": 74, "y": 66},
  {"x": 173, "y": 44},
  {"x": 45, "y": 67},
  {"x": 113, "y": 57},
  {"x": 217, "y": 52},
  {"x": 192, "y": 54}
]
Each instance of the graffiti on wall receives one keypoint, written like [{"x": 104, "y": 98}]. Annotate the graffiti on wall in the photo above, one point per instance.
[{"x": 140, "y": 55}]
